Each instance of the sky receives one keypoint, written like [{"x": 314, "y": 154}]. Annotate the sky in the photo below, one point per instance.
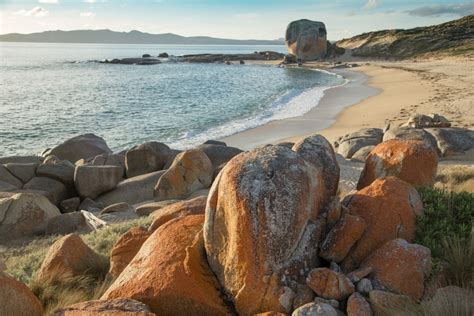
[{"x": 244, "y": 19}]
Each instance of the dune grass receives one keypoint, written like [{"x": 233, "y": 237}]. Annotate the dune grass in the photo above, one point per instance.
[
  {"x": 456, "y": 178},
  {"x": 24, "y": 260}
]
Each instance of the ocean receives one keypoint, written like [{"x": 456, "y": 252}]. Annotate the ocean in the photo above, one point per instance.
[{"x": 52, "y": 92}]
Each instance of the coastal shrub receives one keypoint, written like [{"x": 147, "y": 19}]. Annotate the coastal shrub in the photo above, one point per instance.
[{"x": 447, "y": 215}]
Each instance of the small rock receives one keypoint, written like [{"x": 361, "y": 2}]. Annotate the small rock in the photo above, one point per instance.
[
  {"x": 163, "y": 55},
  {"x": 90, "y": 206},
  {"x": 315, "y": 309},
  {"x": 357, "y": 305},
  {"x": 68, "y": 256},
  {"x": 357, "y": 275},
  {"x": 146, "y": 55},
  {"x": 118, "y": 207},
  {"x": 364, "y": 286},
  {"x": 329, "y": 284},
  {"x": 147, "y": 208},
  {"x": 69, "y": 205}
]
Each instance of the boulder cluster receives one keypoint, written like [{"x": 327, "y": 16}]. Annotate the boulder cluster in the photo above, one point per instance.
[
  {"x": 432, "y": 130},
  {"x": 261, "y": 232}
]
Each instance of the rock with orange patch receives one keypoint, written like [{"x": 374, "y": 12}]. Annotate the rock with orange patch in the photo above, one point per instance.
[
  {"x": 400, "y": 267},
  {"x": 170, "y": 273},
  {"x": 191, "y": 171},
  {"x": 330, "y": 284},
  {"x": 410, "y": 160},
  {"x": 194, "y": 206},
  {"x": 68, "y": 256},
  {"x": 389, "y": 207},
  {"x": 270, "y": 314},
  {"x": 317, "y": 150},
  {"x": 126, "y": 248},
  {"x": 262, "y": 229},
  {"x": 16, "y": 299},
  {"x": 342, "y": 237},
  {"x": 357, "y": 305},
  {"x": 117, "y": 307}
]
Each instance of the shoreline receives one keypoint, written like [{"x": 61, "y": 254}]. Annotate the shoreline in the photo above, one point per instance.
[
  {"x": 320, "y": 117},
  {"x": 380, "y": 92}
]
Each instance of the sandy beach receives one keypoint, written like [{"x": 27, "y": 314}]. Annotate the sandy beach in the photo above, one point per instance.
[{"x": 378, "y": 93}]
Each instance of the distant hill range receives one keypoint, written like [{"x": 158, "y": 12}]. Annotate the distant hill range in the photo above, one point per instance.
[
  {"x": 450, "y": 38},
  {"x": 133, "y": 37}
]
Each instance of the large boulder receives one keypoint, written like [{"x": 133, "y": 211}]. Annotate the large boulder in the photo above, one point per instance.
[
  {"x": 25, "y": 215},
  {"x": 133, "y": 190},
  {"x": 191, "y": 171},
  {"x": 21, "y": 159},
  {"x": 453, "y": 141},
  {"x": 262, "y": 229},
  {"x": 80, "y": 147},
  {"x": 146, "y": 158},
  {"x": 389, "y": 207},
  {"x": 55, "y": 190},
  {"x": 117, "y": 307},
  {"x": 62, "y": 171},
  {"x": 318, "y": 151},
  {"x": 16, "y": 299},
  {"x": 411, "y": 161},
  {"x": 23, "y": 171},
  {"x": 330, "y": 284},
  {"x": 68, "y": 256},
  {"x": 405, "y": 133},
  {"x": 110, "y": 160},
  {"x": 170, "y": 273},
  {"x": 400, "y": 267},
  {"x": 92, "y": 181},
  {"x": 307, "y": 40},
  {"x": 350, "y": 144},
  {"x": 316, "y": 309},
  {"x": 125, "y": 249}
]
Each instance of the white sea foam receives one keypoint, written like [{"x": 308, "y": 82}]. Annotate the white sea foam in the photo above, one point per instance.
[{"x": 292, "y": 104}]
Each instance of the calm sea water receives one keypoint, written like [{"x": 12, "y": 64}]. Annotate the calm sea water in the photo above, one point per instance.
[{"x": 51, "y": 92}]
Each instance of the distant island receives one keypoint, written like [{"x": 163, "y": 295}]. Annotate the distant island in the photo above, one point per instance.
[{"x": 132, "y": 37}]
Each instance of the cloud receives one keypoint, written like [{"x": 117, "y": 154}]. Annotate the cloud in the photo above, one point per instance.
[
  {"x": 48, "y": 1},
  {"x": 87, "y": 14},
  {"x": 461, "y": 9},
  {"x": 36, "y": 12},
  {"x": 372, "y": 4}
]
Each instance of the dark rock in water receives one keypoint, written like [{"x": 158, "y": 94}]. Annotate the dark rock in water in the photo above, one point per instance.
[
  {"x": 216, "y": 58},
  {"x": 289, "y": 59},
  {"x": 214, "y": 142},
  {"x": 163, "y": 55},
  {"x": 242, "y": 62},
  {"x": 134, "y": 61},
  {"x": 146, "y": 56},
  {"x": 306, "y": 39},
  {"x": 228, "y": 63}
]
